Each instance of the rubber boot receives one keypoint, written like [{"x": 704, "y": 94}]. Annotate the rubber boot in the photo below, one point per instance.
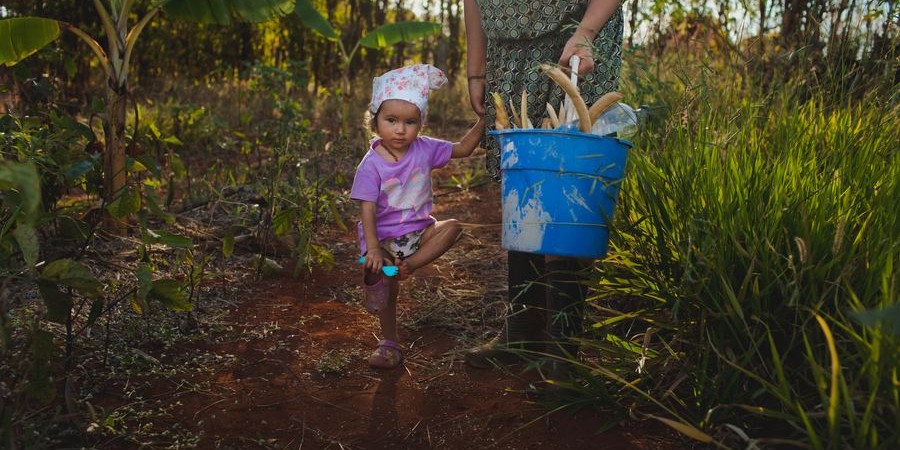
[
  {"x": 524, "y": 322},
  {"x": 565, "y": 314}
]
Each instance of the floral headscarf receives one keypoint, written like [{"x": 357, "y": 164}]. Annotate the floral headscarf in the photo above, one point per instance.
[{"x": 410, "y": 83}]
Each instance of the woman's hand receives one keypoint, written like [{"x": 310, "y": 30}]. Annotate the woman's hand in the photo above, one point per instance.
[
  {"x": 579, "y": 44},
  {"x": 476, "y": 95}
]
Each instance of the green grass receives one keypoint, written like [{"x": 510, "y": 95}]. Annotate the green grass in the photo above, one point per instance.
[{"x": 753, "y": 229}]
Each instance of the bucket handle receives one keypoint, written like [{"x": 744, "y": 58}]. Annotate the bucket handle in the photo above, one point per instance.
[
  {"x": 572, "y": 95},
  {"x": 574, "y": 62}
]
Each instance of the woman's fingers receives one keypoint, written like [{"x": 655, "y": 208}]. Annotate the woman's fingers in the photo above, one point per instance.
[
  {"x": 586, "y": 66},
  {"x": 578, "y": 45}
]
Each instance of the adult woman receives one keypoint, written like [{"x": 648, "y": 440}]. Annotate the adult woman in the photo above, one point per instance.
[{"x": 506, "y": 41}]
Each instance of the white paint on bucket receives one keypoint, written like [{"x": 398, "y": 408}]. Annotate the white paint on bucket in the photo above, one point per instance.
[
  {"x": 524, "y": 224},
  {"x": 552, "y": 153},
  {"x": 510, "y": 155}
]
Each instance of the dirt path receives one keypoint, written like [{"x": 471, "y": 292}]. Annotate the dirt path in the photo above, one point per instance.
[{"x": 285, "y": 367}]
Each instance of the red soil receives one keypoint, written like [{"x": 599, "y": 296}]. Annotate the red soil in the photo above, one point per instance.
[{"x": 276, "y": 392}]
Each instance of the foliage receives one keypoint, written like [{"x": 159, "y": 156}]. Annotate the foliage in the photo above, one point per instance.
[
  {"x": 63, "y": 150},
  {"x": 26, "y": 35},
  {"x": 755, "y": 231},
  {"x": 43, "y": 159},
  {"x": 295, "y": 192},
  {"x": 382, "y": 37}
]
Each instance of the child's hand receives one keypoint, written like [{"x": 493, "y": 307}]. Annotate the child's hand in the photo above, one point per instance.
[{"x": 374, "y": 260}]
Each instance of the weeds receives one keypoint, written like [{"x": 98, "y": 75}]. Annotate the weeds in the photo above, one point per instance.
[
  {"x": 752, "y": 230},
  {"x": 336, "y": 362}
]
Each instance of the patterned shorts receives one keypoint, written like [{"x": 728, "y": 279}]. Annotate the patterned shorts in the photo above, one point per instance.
[{"x": 404, "y": 246}]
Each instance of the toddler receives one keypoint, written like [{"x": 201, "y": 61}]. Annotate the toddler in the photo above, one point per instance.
[{"x": 393, "y": 188}]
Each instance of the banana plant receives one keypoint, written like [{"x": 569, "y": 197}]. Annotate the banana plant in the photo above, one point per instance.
[
  {"x": 380, "y": 38},
  {"x": 20, "y": 37}
]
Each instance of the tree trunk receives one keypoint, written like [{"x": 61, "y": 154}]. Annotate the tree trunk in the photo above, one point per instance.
[
  {"x": 792, "y": 17},
  {"x": 836, "y": 29},
  {"x": 632, "y": 20},
  {"x": 114, "y": 154},
  {"x": 399, "y": 49},
  {"x": 347, "y": 98},
  {"x": 763, "y": 17}
]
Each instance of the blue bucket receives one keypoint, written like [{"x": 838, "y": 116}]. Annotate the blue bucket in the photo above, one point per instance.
[{"x": 559, "y": 190}]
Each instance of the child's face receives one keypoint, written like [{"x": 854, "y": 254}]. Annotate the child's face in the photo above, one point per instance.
[{"x": 398, "y": 123}]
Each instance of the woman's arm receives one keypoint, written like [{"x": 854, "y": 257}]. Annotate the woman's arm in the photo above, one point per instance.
[
  {"x": 598, "y": 12},
  {"x": 470, "y": 141},
  {"x": 374, "y": 258},
  {"x": 476, "y": 56}
]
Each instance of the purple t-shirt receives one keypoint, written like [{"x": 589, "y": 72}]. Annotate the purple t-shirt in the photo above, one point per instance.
[{"x": 401, "y": 190}]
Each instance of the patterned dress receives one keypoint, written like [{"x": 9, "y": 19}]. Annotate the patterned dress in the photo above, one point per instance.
[{"x": 522, "y": 34}]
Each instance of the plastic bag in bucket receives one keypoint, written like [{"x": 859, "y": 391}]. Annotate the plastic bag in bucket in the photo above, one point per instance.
[{"x": 559, "y": 190}]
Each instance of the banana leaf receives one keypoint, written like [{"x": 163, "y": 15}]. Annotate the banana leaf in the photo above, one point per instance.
[
  {"x": 225, "y": 12},
  {"x": 388, "y": 35},
  {"x": 313, "y": 19},
  {"x": 22, "y": 36}
]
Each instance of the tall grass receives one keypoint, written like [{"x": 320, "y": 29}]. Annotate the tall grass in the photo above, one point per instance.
[{"x": 754, "y": 269}]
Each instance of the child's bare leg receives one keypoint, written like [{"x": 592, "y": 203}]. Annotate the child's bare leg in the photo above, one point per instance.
[
  {"x": 388, "y": 315},
  {"x": 388, "y": 354},
  {"x": 436, "y": 240}
]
